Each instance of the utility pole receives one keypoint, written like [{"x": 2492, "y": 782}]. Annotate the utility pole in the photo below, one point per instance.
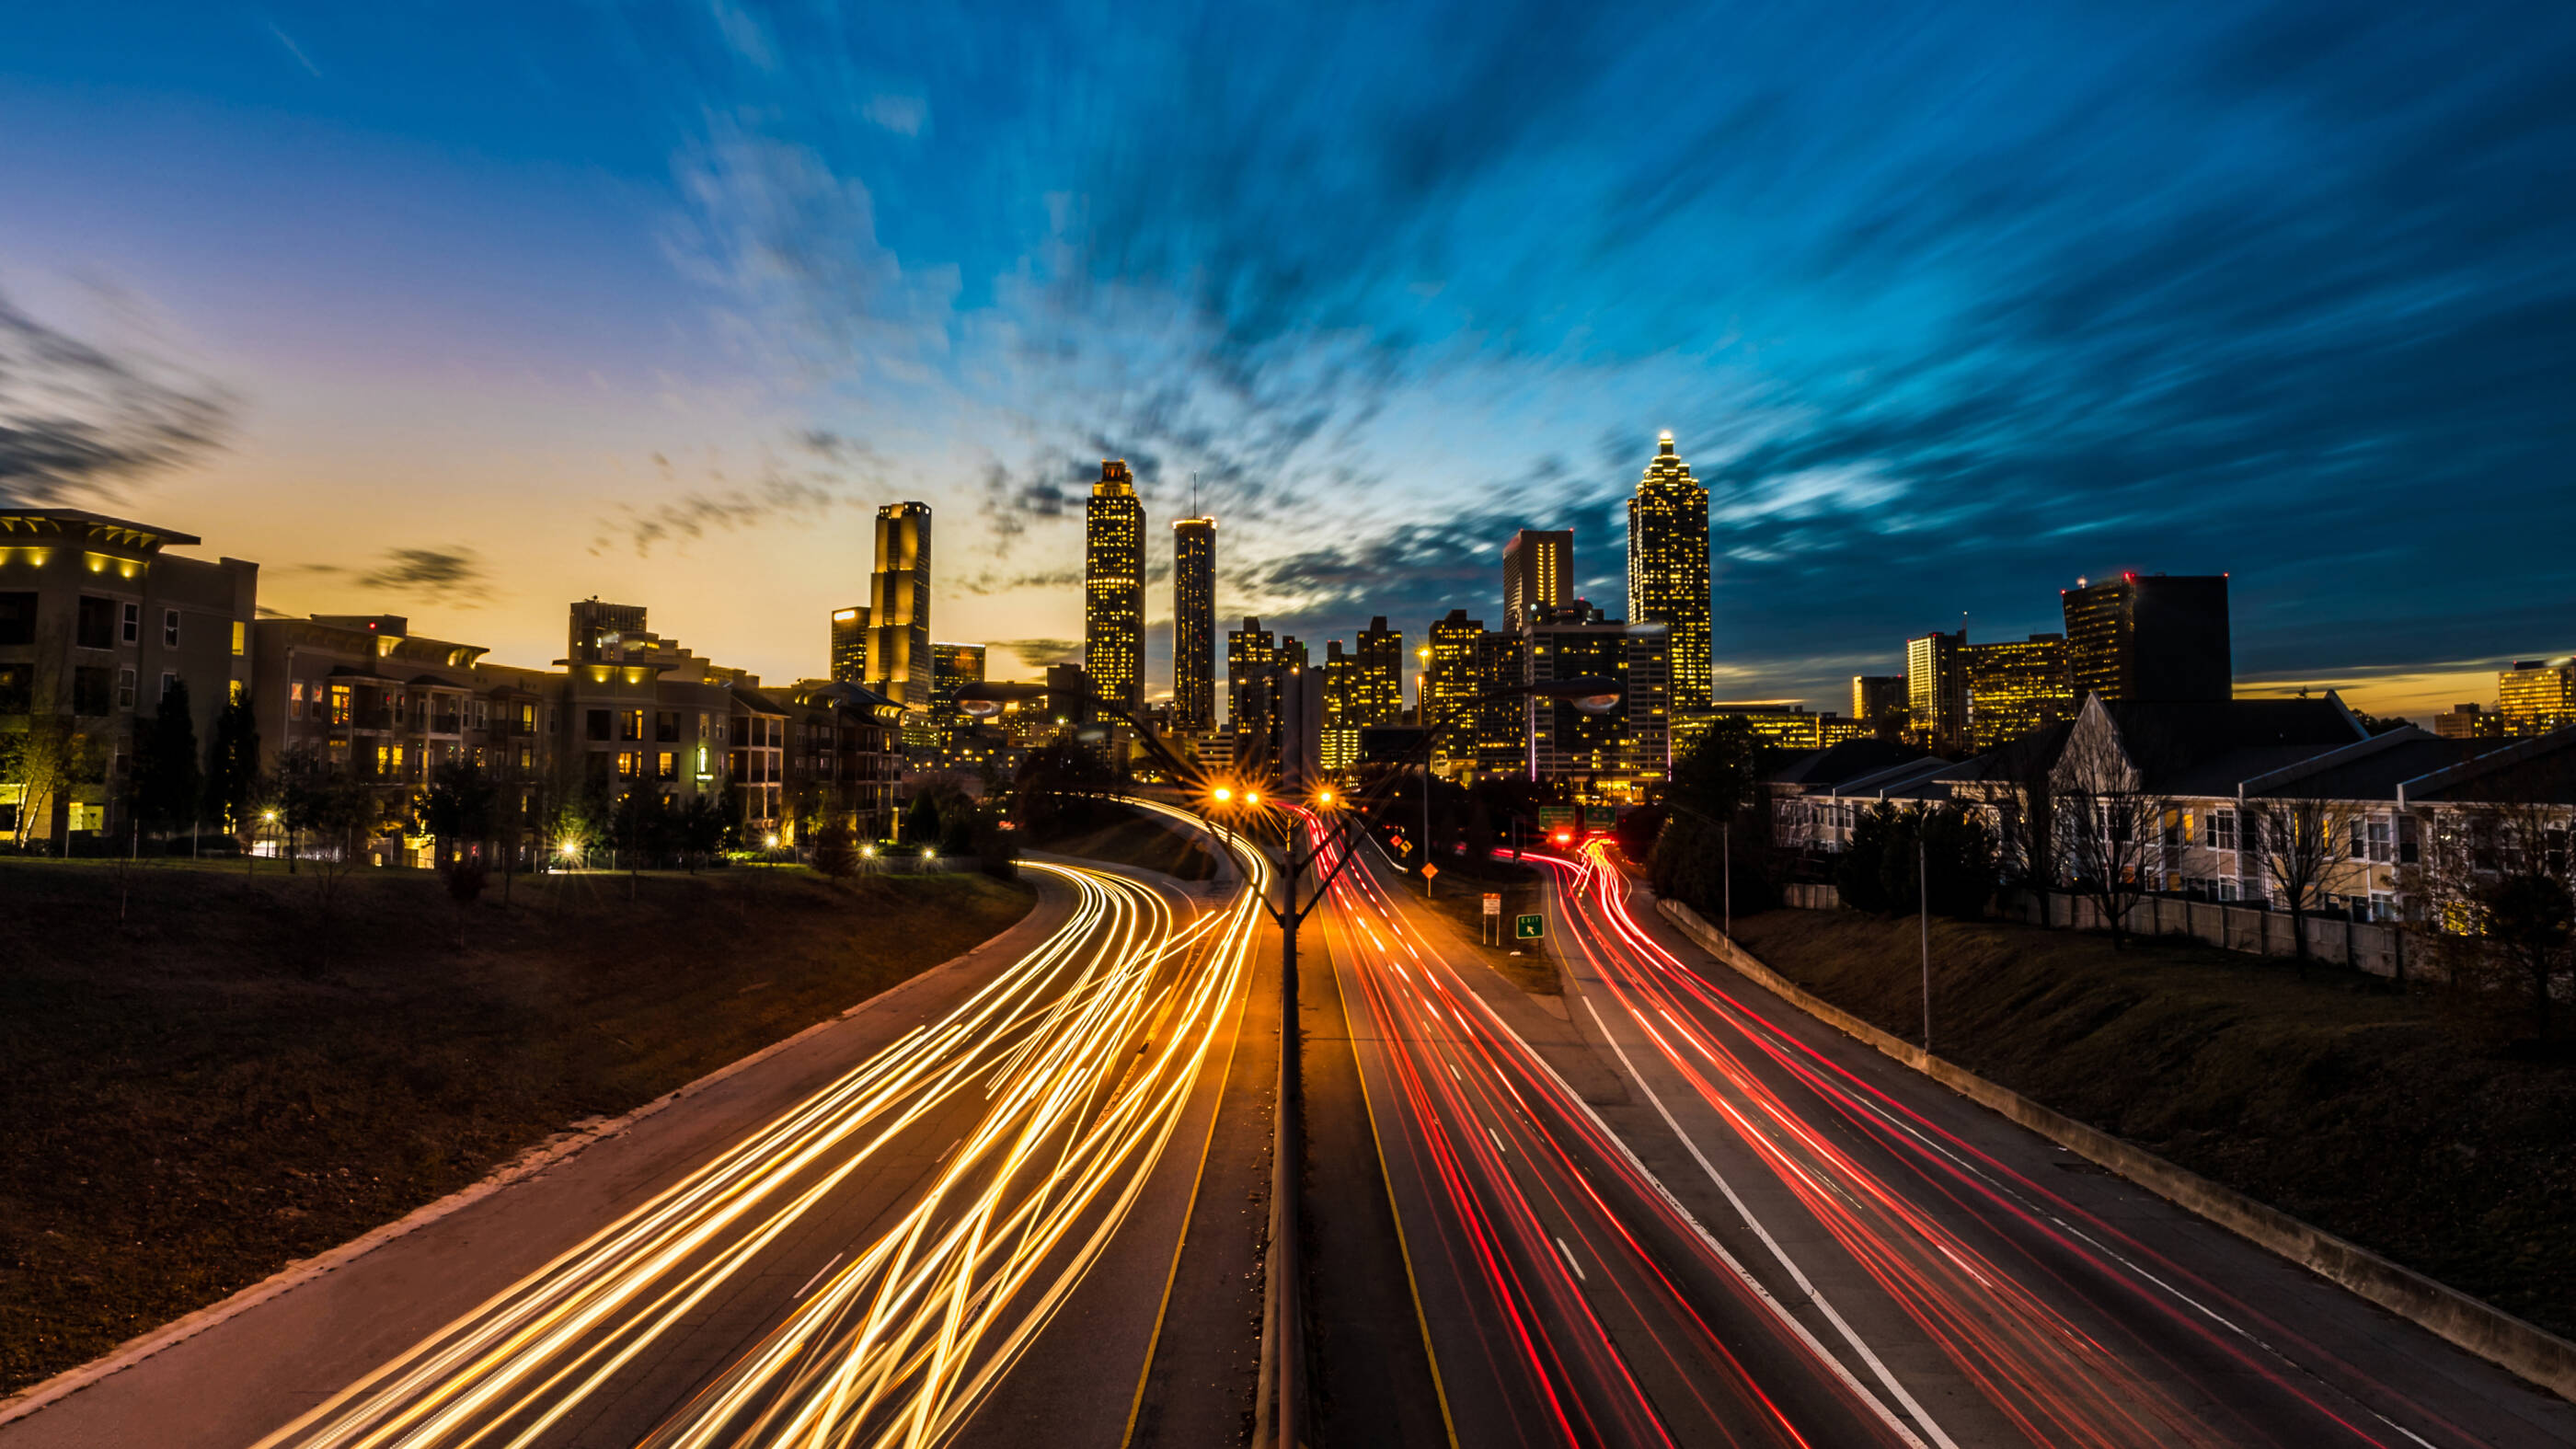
[
  {"x": 1726, "y": 853},
  {"x": 1923, "y": 898}
]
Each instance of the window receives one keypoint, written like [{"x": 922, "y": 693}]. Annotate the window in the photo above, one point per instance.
[
  {"x": 598, "y": 724},
  {"x": 125, "y": 688},
  {"x": 96, "y": 626},
  {"x": 168, "y": 679},
  {"x": 241, "y": 638},
  {"x": 169, "y": 628},
  {"x": 339, "y": 704},
  {"x": 295, "y": 699},
  {"x": 666, "y": 766},
  {"x": 634, "y": 723},
  {"x": 16, "y": 693},
  {"x": 130, "y": 630},
  {"x": 2407, "y": 847},
  {"x": 630, "y": 763},
  {"x": 2221, "y": 833},
  {"x": 666, "y": 727},
  {"x": 527, "y": 757},
  {"x": 236, "y": 690},
  {"x": 2379, "y": 842},
  {"x": 2227, "y": 888},
  {"x": 17, "y": 618}
]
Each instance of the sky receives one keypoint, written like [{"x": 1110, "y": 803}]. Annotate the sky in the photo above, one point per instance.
[{"x": 463, "y": 312}]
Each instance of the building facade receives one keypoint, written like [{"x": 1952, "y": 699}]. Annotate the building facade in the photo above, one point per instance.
[
  {"x": 1113, "y": 622},
  {"x": 850, "y": 644},
  {"x": 1668, "y": 579},
  {"x": 2015, "y": 687},
  {"x": 1194, "y": 625},
  {"x": 1538, "y": 573},
  {"x": 97, "y": 624},
  {"x": 1377, "y": 680},
  {"x": 1875, "y": 697},
  {"x": 898, "y": 664},
  {"x": 1936, "y": 689},
  {"x": 2150, "y": 636},
  {"x": 1618, "y": 756},
  {"x": 2535, "y": 697}
]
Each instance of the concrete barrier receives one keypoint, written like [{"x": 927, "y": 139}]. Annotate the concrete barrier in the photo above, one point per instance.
[{"x": 2479, "y": 1327}]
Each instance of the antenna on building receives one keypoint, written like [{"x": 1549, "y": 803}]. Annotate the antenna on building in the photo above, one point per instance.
[{"x": 1194, "y": 493}]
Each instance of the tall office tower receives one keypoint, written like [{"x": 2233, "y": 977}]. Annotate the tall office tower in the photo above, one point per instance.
[
  {"x": 2535, "y": 697},
  {"x": 1292, "y": 653},
  {"x": 850, "y": 645},
  {"x": 1876, "y": 696},
  {"x": 1668, "y": 569},
  {"x": 1538, "y": 573},
  {"x": 596, "y": 628},
  {"x": 1936, "y": 691},
  {"x": 1618, "y": 756},
  {"x": 1113, "y": 585},
  {"x": 1249, "y": 654},
  {"x": 2015, "y": 688},
  {"x": 1070, "y": 690},
  {"x": 1502, "y": 725},
  {"x": 2150, "y": 636},
  {"x": 1377, "y": 679},
  {"x": 952, "y": 665},
  {"x": 1449, "y": 682},
  {"x": 899, "y": 606},
  {"x": 1340, "y": 741},
  {"x": 1194, "y": 625}
]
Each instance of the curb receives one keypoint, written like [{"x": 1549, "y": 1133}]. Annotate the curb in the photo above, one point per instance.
[
  {"x": 2524, "y": 1349},
  {"x": 552, "y": 1152}
]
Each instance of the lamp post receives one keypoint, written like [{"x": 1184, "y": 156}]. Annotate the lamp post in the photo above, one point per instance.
[{"x": 1280, "y": 1413}]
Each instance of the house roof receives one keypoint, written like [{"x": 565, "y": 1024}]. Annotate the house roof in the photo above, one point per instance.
[
  {"x": 2207, "y": 747},
  {"x": 2372, "y": 774},
  {"x": 1820, "y": 770}
]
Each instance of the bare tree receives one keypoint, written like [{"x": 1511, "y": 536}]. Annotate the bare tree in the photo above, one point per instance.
[
  {"x": 2108, "y": 822},
  {"x": 2499, "y": 889},
  {"x": 2302, "y": 844}
]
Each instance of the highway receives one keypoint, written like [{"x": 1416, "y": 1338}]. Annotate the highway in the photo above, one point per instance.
[
  {"x": 1667, "y": 1209},
  {"x": 974, "y": 1229}
]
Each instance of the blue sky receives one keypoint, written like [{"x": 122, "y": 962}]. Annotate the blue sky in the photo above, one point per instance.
[{"x": 468, "y": 311}]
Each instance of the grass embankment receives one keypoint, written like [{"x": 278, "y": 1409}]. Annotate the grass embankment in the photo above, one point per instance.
[
  {"x": 1458, "y": 894},
  {"x": 1123, "y": 837},
  {"x": 2373, "y": 1115},
  {"x": 234, "y": 1079}
]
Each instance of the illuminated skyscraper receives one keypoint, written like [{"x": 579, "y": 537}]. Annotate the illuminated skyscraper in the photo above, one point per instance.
[
  {"x": 850, "y": 645},
  {"x": 1668, "y": 569},
  {"x": 1341, "y": 735},
  {"x": 1620, "y": 755},
  {"x": 2150, "y": 636},
  {"x": 1876, "y": 696},
  {"x": 2535, "y": 697},
  {"x": 898, "y": 662},
  {"x": 1538, "y": 573},
  {"x": 1113, "y": 581},
  {"x": 952, "y": 665},
  {"x": 2016, "y": 687},
  {"x": 1377, "y": 678},
  {"x": 1936, "y": 689},
  {"x": 1194, "y": 624}
]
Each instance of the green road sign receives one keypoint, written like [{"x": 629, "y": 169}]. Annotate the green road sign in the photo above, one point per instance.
[
  {"x": 1551, "y": 816},
  {"x": 1528, "y": 928}
]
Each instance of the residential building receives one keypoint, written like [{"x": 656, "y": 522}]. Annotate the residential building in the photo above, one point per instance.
[
  {"x": 899, "y": 663},
  {"x": 1668, "y": 580},
  {"x": 1877, "y": 696},
  {"x": 1618, "y": 756},
  {"x": 97, "y": 623},
  {"x": 844, "y": 756},
  {"x": 1538, "y": 573},
  {"x": 850, "y": 644},
  {"x": 1113, "y": 626},
  {"x": 2149, "y": 636},
  {"x": 595, "y": 626},
  {"x": 2015, "y": 687},
  {"x": 1194, "y": 625},
  {"x": 2536, "y": 697},
  {"x": 1377, "y": 679},
  {"x": 1936, "y": 689}
]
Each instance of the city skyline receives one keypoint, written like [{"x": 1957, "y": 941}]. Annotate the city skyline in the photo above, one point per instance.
[{"x": 684, "y": 303}]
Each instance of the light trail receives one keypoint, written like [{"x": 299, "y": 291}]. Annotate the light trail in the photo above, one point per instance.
[
  {"x": 1595, "y": 1310},
  {"x": 1077, "y": 1061},
  {"x": 1991, "y": 1309}
]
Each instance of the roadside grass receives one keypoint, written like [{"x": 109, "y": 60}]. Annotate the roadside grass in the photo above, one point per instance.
[
  {"x": 235, "y": 1078},
  {"x": 2399, "y": 1121},
  {"x": 1457, "y": 895},
  {"x": 1133, "y": 839}
]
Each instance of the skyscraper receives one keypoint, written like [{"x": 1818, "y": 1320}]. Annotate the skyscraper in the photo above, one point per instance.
[
  {"x": 1194, "y": 624},
  {"x": 898, "y": 621},
  {"x": 1341, "y": 736},
  {"x": 2150, "y": 636},
  {"x": 850, "y": 645},
  {"x": 1538, "y": 573},
  {"x": 1876, "y": 696},
  {"x": 1251, "y": 692},
  {"x": 1668, "y": 569},
  {"x": 1936, "y": 689},
  {"x": 2535, "y": 697},
  {"x": 1449, "y": 680},
  {"x": 2015, "y": 687},
  {"x": 951, "y": 666},
  {"x": 1615, "y": 756},
  {"x": 1377, "y": 679},
  {"x": 1113, "y": 582}
]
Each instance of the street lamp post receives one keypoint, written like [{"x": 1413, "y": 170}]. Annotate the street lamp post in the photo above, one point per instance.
[{"x": 1280, "y": 1412}]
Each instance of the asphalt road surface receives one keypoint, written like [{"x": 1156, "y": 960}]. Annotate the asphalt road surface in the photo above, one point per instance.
[{"x": 1667, "y": 1208}]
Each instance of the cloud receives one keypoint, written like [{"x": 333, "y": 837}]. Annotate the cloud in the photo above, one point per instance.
[
  {"x": 425, "y": 568},
  {"x": 903, "y": 115},
  {"x": 79, "y": 421},
  {"x": 1039, "y": 653},
  {"x": 692, "y": 515}
]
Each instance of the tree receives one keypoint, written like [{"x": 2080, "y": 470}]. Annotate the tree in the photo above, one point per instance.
[
  {"x": 458, "y": 807},
  {"x": 1718, "y": 824},
  {"x": 232, "y": 766},
  {"x": 2300, "y": 844},
  {"x": 2026, "y": 814},
  {"x": 836, "y": 851},
  {"x": 2532, "y": 917},
  {"x": 168, "y": 786},
  {"x": 702, "y": 826},
  {"x": 921, "y": 821},
  {"x": 2112, "y": 823}
]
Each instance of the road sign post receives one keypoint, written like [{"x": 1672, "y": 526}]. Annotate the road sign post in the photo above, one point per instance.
[
  {"x": 1528, "y": 928},
  {"x": 1493, "y": 920}
]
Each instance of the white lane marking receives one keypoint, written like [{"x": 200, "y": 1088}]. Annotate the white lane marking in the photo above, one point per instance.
[
  {"x": 1569, "y": 1261},
  {"x": 1498, "y": 1140},
  {"x": 817, "y": 1278},
  {"x": 1930, "y": 1426}
]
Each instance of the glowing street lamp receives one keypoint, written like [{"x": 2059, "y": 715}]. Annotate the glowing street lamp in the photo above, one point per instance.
[{"x": 1221, "y": 794}]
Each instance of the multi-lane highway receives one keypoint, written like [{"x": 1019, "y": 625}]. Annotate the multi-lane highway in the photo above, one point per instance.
[
  {"x": 1664, "y": 1208},
  {"x": 997, "y": 1193}
]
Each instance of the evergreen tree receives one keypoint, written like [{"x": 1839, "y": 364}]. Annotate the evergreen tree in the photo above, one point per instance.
[
  {"x": 168, "y": 786},
  {"x": 232, "y": 767}
]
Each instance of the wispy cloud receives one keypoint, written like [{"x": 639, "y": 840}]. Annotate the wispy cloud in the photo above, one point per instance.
[{"x": 81, "y": 421}]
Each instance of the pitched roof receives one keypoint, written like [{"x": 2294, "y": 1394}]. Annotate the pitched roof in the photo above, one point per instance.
[
  {"x": 1848, "y": 760},
  {"x": 2207, "y": 747}
]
